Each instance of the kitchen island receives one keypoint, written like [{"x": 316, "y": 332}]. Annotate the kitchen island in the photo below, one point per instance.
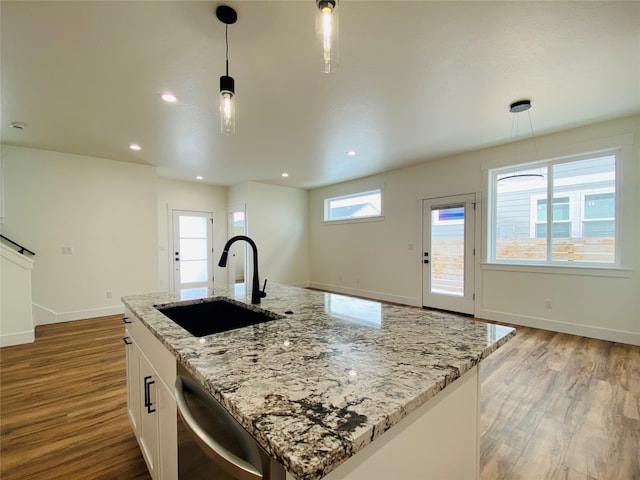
[{"x": 319, "y": 387}]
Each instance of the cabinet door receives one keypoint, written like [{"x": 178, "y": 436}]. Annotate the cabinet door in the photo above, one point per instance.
[
  {"x": 148, "y": 431},
  {"x": 133, "y": 382},
  {"x": 168, "y": 433}
]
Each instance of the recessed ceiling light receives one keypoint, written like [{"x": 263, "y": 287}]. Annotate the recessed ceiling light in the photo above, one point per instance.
[
  {"x": 135, "y": 146},
  {"x": 169, "y": 97},
  {"x": 18, "y": 125},
  {"x": 285, "y": 174},
  {"x": 351, "y": 153},
  {"x": 199, "y": 177}
]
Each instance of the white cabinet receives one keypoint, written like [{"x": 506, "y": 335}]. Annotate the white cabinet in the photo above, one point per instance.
[{"x": 151, "y": 372}]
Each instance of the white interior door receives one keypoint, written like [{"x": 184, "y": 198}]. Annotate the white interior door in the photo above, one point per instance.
[
  {"x": 237, "y": 264},
  {"x": 192, "y": 252},
  {"x": 448, "y": 253}
]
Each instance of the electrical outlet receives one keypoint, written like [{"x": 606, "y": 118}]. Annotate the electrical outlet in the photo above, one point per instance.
[
  {"x": 109, "y": 294},
  {"x": 357, "y": 280},
  {"x": 548, "y": 303},
  {"x": 67, "y": 250}
]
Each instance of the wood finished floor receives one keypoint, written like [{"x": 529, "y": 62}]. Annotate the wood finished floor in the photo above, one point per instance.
[{"x": 554, "y": 406}]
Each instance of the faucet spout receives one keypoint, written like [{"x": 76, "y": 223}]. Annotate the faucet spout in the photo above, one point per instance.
[{"x": 256, "y": 293}]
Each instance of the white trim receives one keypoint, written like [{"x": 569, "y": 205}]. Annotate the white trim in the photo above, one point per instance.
[
  {"x": 17, "y": 338},
  {"x": 44, "y": 316},
  {"x": 560, "y": 151},
  {"x": 15, "y": 257},
  {"x": 620, "y": 336},
  {"x": 365, "y": 294},
  {"x": 559, "y": 269}
]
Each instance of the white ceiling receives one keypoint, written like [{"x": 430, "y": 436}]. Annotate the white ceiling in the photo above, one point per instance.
[{"x": 417, "y": 80}]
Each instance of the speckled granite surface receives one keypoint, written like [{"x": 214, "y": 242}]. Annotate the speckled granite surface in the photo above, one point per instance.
[{"x": 315, "y": 387}]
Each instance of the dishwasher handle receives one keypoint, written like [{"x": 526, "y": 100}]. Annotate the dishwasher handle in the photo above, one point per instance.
[{"x": 240, "y": 468}]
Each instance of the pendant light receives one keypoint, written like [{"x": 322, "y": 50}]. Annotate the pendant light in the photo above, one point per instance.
[
  {"x": 327, "y": 31},
  {"x": 519, "y": 107},
  {"x": 228, "y": 16}
]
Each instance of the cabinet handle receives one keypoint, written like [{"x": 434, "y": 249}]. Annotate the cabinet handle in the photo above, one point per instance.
[
  {"x": 126, "y": 320},
  {"x": 127, "y": 341},
  {"x": 147, "y": 394}
]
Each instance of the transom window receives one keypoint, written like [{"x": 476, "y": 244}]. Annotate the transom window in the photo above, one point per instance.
[
  {"x": 557, "y": 212},
  {"x": 354, "y": 206}
]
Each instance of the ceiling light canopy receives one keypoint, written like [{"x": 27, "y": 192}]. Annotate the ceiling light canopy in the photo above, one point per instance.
[
  {"x": 228, "y": 16},
  {"x": 327, "y": 31}
]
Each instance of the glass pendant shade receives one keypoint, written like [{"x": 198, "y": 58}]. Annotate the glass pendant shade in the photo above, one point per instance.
[
  {"x": 327, "y": 32},
  {"x": 227, "y": 105}
]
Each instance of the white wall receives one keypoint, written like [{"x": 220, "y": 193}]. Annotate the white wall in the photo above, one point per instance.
[
  {"x": 16, "y": 316},
  {"x": 200, "y": 197},
  {"x": 104, "y": 211},
  {"x": 277, "y": 221},
  {"x": 374, "y": 259}
]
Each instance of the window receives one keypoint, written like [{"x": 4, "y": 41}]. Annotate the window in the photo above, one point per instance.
[
  {"x": 556, "y": 212},
  {"x": 355, "y": 206}
]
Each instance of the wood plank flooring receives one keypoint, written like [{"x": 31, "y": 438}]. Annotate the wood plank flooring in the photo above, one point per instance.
[
  {"x": 557, "y": 406},
  {"x": 553, "y": 406},
  {"x": 63, "y": 405}
]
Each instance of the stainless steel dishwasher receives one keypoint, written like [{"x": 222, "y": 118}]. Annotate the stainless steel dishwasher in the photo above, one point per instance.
[{"x": 211, "y": 443}]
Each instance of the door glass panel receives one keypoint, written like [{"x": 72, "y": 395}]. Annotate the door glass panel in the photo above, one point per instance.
[
  {"x": 447, "y": 250},
  {"x": 193, "y": 271},
  {"x": 193, "y": 227},
  {"x": 193, "y": 248}
]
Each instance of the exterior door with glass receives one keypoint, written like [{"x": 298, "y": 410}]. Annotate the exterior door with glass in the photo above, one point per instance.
[
  {"x": 448, "y": 255},
  {"x": 193, "y": 252}
]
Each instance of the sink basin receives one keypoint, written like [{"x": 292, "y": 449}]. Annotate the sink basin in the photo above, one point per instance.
[{"x": 216, "y": 316}]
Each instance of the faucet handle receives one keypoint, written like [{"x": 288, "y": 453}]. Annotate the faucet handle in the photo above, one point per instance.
[{"x": 263, "y": 293}]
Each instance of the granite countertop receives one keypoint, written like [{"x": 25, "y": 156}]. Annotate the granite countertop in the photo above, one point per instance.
[{"x": 315, "y": 387}]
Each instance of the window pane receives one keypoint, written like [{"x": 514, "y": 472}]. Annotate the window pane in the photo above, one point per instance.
[
  {"x": 518, "y": 235},
  {"x": 583, "y": 212},
  {"x": 193, "y": 227},
  {"x": 600, "y": 228},
  {"x": 193, "y": 248},
  {"x": 193, "y": 271},
  {"x": 447, "y": 251},
  {"x": 367, "y": 204},
  {"x": 586, "y": 241},
  {"x": 602, "y": 205}
]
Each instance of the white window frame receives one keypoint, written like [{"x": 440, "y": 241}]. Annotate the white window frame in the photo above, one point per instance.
[
  {"x": 621, "y": 238},
  {"x": 365, "y": 218}
]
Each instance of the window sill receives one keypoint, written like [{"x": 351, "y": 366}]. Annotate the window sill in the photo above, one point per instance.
[
  {"x": 353, "y": 220},
  {"x": 590, "y": 270}
]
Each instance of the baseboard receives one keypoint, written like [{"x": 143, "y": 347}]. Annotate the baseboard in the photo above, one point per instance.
[
  {"x": 620, "y": 336},
  {"x": 17, "y": 338},
  {"x": 44, "y": 316},
  {"x": 384, "y": 297}
]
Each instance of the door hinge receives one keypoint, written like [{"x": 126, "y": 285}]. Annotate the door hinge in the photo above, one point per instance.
[
  {"x": 474, "y": 251},
  {"x": 474, "y": 205},
  {"x": 474, "y": 296},
  {"x": 211, "y": 220}
]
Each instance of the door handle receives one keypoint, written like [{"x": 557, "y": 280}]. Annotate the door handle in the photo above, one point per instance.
[{"x": 147, "y": 394}]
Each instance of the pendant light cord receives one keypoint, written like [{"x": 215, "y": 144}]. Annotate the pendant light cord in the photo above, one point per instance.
[{"x": 226, "y": 41}]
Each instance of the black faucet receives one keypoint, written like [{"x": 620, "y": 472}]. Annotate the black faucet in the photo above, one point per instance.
[{"x": 256, "y": 293}]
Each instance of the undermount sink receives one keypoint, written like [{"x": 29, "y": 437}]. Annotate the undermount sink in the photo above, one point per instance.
[{"x": 215, "y": 316}]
